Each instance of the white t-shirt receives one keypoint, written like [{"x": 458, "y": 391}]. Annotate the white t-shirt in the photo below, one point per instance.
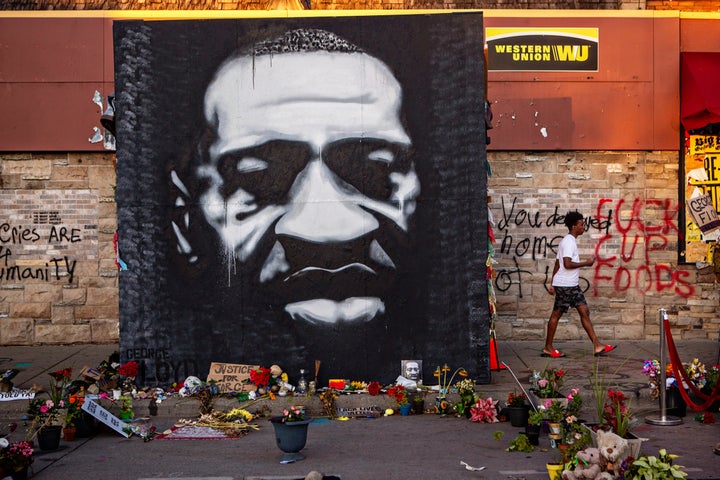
[{"x": 564, "y": 277}]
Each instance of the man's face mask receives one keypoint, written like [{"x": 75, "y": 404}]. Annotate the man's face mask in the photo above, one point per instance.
[{"x": 311, "y": 155}]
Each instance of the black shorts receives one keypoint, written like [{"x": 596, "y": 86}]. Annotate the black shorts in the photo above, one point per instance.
[{"x": 566, "y": 297}]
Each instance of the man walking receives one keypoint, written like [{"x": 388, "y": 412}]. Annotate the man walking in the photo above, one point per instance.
[{"x": 564, "y": 285}]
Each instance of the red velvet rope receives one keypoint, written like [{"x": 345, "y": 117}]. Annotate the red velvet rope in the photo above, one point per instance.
[{"x": 680, "y": 373}]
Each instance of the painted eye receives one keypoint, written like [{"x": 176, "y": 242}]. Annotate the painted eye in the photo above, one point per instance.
[
  {"x": 251, "y": 164},
  {"x": 384, "y": 155}
]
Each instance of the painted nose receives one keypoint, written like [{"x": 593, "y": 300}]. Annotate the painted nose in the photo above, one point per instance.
[{"x": 322, "y": 208}]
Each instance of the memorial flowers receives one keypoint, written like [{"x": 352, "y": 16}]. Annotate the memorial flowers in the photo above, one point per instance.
[
  {"x": 550, "y": 383},
  {"x": 484, "y": 411},
  {"x": 616, "y": 412},
  {"x": 15, "y": 456},
  {"x": 293, "y": 414},
  {"x": 399, "y": 393}
]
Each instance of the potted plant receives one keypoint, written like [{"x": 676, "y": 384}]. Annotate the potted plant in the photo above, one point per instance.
[
  {"x": 547, "y": 384},
  {"x": 466, "y": 391},
  {"x": 651, "y": 467},
  {"x": 291, "y": 433},
  {"x": 400, "y": 395},
  {"x": 125, "y": 403},
  {"x": 15, "y": 458},
  {"x": 46, "y": 412},
  {"x": 72, "y": 414},
  {"x": 517, "y": 409},
  {"x": 532, "y": 429},
  {"x": 418, "y": 402}
]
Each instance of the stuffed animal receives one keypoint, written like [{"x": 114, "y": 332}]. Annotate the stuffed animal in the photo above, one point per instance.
[
  {"x": 588, "y": 465},
  {"x": 613, "y": 450}
]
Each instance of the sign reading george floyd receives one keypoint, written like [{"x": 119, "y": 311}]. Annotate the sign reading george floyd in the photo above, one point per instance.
[
  {"x": 230, "y": 377},
  {"x": 518, "y": 49},
  {"x": 703, "y": 213}
]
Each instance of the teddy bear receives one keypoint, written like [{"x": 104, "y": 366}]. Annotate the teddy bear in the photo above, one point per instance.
[
  {"x": 588, "y": 465},
  {"x": 613, "y": 450}
]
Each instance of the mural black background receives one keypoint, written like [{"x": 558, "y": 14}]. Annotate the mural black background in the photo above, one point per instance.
[{"x": 175, "y": 318}]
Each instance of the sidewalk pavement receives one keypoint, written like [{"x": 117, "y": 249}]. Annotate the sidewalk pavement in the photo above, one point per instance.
[{"x": 622, "y": 369}]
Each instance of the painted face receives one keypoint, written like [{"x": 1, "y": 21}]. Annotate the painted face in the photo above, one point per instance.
[{"x": 310, "y": 152}]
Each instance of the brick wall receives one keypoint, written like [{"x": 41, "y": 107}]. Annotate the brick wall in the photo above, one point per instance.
[
  {"x": 632, "y": 200},
  {"x": 58, "y": 278}
]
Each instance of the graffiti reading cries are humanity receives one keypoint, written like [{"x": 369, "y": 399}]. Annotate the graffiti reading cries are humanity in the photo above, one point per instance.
[{"x": 53, "y": 269}]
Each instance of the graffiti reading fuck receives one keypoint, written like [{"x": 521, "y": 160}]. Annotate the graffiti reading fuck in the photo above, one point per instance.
[{"x": 624, "y": 251}]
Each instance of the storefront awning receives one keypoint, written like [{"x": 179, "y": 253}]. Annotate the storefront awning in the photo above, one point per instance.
[{"x": 700, "y": 91}]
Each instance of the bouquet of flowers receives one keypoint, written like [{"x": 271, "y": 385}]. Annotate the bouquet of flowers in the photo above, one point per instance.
[
  {"x": 441, "y": 373},
  {"x": 554, "y": 410},
  {"x": 550, "y": 382},
  {"x": 574, "y": 404},
  {"x": 399, "y": 393},
  {"x": 293, "y": 414},
  {"x": 516, "y": 400},
  {"x": 466, "y": 391},
  {"x": 16, "y": 455},
  {"x": 616, "y": 412},
  {"x": 484, "y": 411}
]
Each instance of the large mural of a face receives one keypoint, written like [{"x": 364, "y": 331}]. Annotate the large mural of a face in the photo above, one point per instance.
[
  {"x": 307, "y": 196},
  {"x": 315, "y": 162}
]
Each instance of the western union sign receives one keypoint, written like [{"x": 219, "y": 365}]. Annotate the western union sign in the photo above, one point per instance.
[{"x": 542, "y": 48}]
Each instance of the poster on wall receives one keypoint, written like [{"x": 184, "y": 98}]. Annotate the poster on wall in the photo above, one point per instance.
[
  {"x": 302, "y": 192},
  {"x": 702, "y": 180}
]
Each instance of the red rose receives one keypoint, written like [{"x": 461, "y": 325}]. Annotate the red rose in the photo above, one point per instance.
[{"x": 374, "y": 388}]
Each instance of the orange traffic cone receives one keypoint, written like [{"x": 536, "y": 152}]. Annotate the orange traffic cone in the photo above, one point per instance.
[{"x": 494, "y": 358}]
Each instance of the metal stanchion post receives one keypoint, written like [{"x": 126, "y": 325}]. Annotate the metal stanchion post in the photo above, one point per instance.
[{"x": 662, "y": 419}]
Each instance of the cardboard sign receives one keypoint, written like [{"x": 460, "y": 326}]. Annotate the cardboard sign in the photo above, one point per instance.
[
  {"x": 702, "y": 211},
  {"x": 97, "y": 411},
  {"x": 230, "y": 377}
]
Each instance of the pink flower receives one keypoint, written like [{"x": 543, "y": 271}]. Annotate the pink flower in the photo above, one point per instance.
[
  {"x": 543, "y": 383},
  {"x": 485, "y": 410},
  {"x": 44, "y": 409}
]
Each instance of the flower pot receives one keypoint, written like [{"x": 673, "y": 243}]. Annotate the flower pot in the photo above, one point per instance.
[
  {"x": 85, "y": 425},
  {"x": 290, "y": 437},
  {"x": 555, "y": 428},
  {"x": 418, "y": 406},
  {"x": 405, "y": 409},
  {"x": 518, "y": 416},
  {"x": 69, "y": 434},
  {"x": 49, "y": 437},
  {"x": 674, "y": 403},
  {"x": 554, "y": 470},
  {"x": 533, "y": 434},
  {"x": 21, "y": 474}
]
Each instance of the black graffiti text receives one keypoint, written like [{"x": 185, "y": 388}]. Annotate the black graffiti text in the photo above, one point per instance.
[{"x": 52, "y": 270}]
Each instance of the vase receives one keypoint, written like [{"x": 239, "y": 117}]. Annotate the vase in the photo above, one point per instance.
[
  {"x": 518, "y": 416},
  {"x": 674, "y": 403},
  {"x": 49, "y": 437},
  {"x": 21, "y": 474},
  {"x": 441, "y": 405},
  {"x": 555, "y": 428},
  {"x": 405, "y": 409},
  {"x": 419, "y": 406},
  {"x": 290, "y": 437},
  {"x": 533, "y": 434},
  {"x": 554, "y": 470},
  {"x": 69, "y": 434}
]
